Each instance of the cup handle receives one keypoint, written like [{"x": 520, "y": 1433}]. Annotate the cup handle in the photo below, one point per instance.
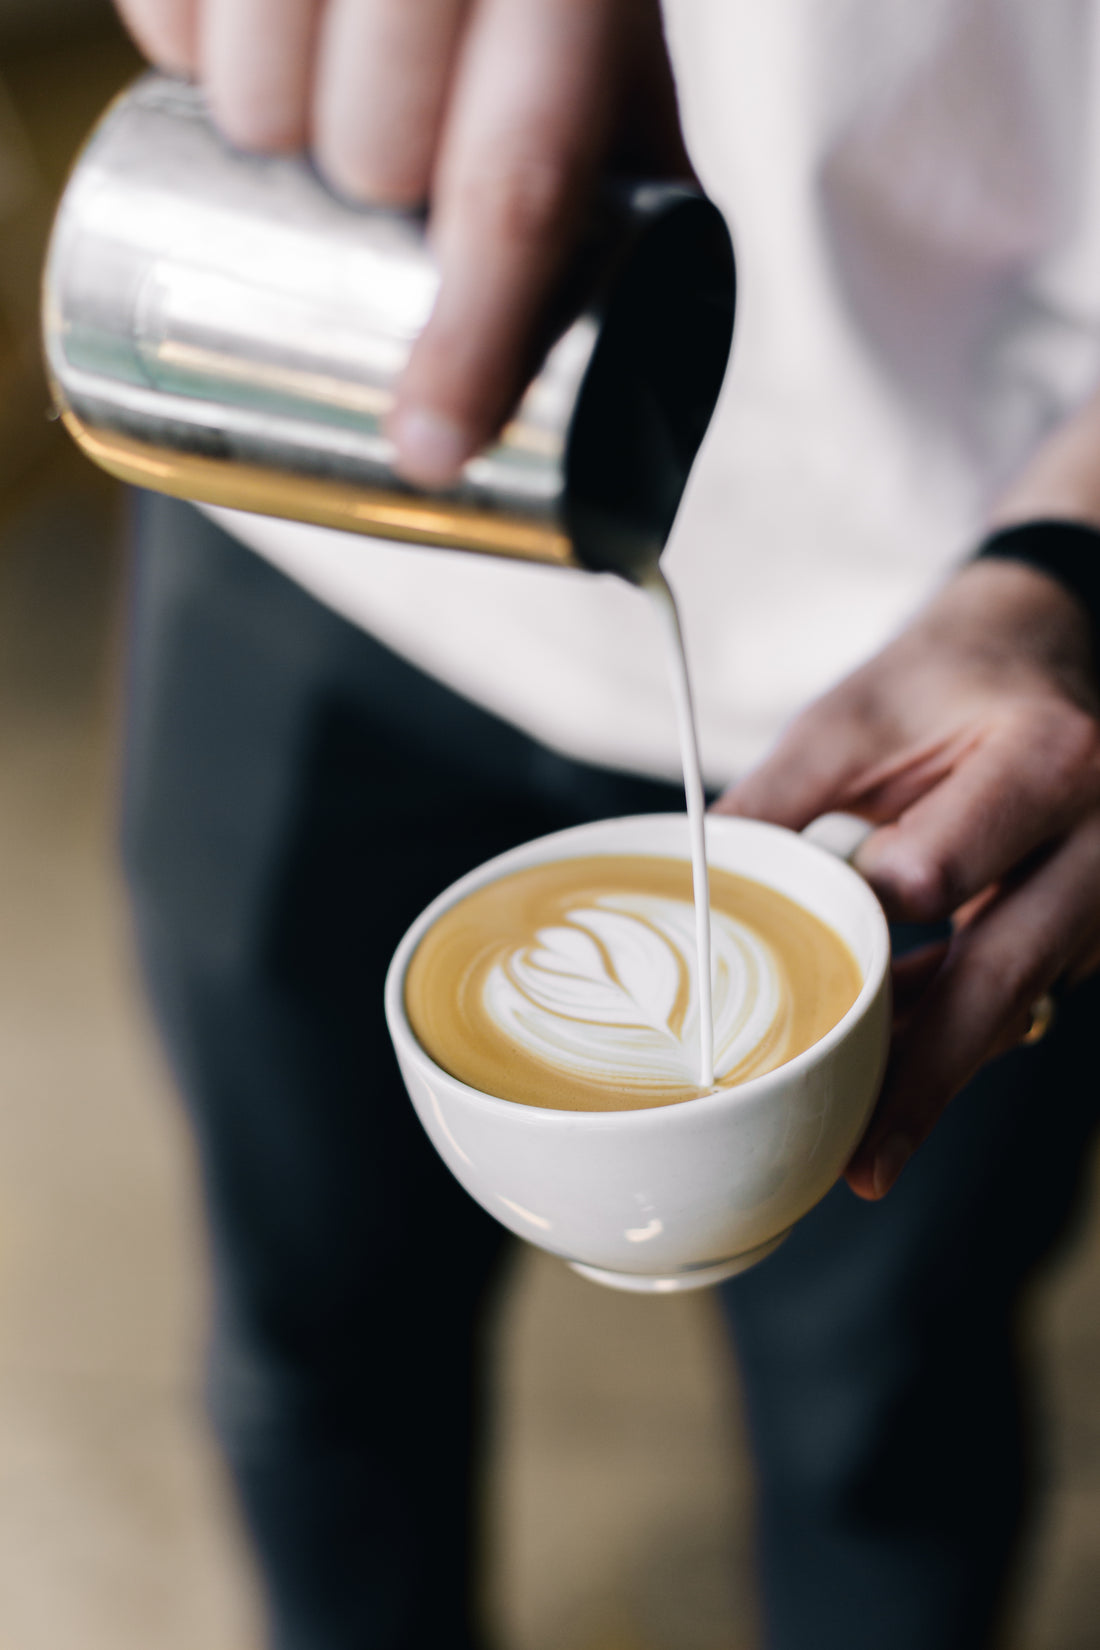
[{"x": 839, "y": 834}]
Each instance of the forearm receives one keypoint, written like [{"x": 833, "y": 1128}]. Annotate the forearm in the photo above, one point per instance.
[{"x": 1061, "y": 479}]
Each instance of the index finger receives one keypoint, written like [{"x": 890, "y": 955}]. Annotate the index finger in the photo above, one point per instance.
[{"x": 526, "y": 128}]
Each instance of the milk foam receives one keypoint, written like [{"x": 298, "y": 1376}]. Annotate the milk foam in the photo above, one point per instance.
[{"x": 611, "y": 994}]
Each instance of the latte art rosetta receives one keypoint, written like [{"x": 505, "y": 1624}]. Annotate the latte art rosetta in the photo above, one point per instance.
[
  {"x": 610, "y": 994},
  {"x": 573, "y": 984}
]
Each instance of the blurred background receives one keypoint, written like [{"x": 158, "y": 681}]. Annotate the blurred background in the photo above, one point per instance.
[{"x": 621, "y": 1499}]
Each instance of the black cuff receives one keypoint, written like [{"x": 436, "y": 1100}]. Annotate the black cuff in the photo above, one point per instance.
[{"x": 1066, "y": 550}]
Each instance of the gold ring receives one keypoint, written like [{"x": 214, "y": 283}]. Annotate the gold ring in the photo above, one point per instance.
[{"x": 1042, "y": 1018}]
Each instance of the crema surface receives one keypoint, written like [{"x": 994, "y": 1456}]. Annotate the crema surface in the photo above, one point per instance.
[{"x": 573, "y": 985}]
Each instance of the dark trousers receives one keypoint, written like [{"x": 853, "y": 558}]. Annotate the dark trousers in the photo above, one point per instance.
[{"x": 294, "y": 795}]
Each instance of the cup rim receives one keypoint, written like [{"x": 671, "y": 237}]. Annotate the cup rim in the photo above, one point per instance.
[{"x": 741, "y": 1095}]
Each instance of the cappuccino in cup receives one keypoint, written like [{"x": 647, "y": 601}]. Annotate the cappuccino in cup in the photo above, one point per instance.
[
  {"x": 572, "y": 984},
  {"x": 579, "y": 957}
]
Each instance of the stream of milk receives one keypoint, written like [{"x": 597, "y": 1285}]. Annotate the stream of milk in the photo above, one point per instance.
[{"x": 658, "y": 589}]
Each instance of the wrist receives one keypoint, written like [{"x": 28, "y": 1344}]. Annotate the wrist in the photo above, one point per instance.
[
  {"x": 1010, "y": 605},
  {"x": 1001, "y": 617},
  {"x": 1067, "y": 552}
]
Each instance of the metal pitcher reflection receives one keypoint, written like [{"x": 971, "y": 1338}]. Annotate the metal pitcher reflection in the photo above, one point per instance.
[{"x": 221, "y": 327}]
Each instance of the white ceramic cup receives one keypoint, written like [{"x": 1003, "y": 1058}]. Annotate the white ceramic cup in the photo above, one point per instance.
[{"x": 671, "y": 1197}]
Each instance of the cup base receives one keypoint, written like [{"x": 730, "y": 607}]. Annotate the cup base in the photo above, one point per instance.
[{"x": 674, "y": 1283}]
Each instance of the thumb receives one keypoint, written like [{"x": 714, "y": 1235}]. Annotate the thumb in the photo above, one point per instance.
[{"x": 813, "y": 770}]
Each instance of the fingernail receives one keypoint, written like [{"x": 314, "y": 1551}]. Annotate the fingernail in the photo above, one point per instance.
[
  {"x": 431, "y": 449},
  {"x": 892, "y": 1157}
]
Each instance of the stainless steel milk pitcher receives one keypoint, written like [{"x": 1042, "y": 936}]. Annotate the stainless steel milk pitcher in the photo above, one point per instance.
[{"x": 221, "y": 327}]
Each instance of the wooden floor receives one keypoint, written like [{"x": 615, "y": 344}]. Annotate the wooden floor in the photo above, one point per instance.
[{"x": 621, "y": 1498}]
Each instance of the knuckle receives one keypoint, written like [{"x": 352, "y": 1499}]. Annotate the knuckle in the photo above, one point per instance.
[
  {"x": 1005, "y": 976},
  {"x": 524, "y": 202},
  {"x": 381, "y": 181},
  {"x": 918, "y": 886},
  {"x": 259, "y": 126},
  {"x": 1068, "y": 745},
  {"x": 1071, "y": 744},
  {"x": 388, "y": 166}
]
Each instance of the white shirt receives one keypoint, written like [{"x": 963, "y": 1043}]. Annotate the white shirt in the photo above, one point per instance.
[{"x": 914, "y": 192}]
